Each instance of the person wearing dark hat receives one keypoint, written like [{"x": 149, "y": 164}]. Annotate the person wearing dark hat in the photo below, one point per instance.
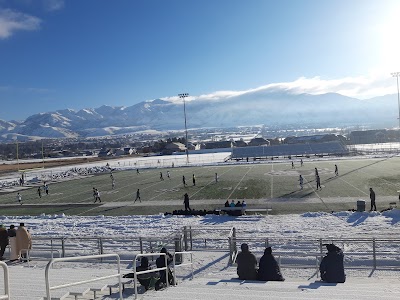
[
  {"x": 3, "y": 241},
  {"x": 246, "y": 264},
  {"x": 331, "y": 267},
  {"x": 147, "y": 279},
  {"x": 160, "y": 263},
  {"x": 268, "y": 267},
  {"x": 24, "y": 241},
  {"x": 12, "y": 237}
]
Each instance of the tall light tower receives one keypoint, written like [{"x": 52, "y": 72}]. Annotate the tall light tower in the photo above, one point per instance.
[
  {"x": 183, "y": 96},
  {"x": 397, "y": 74}
]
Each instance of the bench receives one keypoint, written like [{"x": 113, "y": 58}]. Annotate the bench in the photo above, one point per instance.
[
  {"x": 233, "y": 211},
  {"x": 239, "y": 211}
]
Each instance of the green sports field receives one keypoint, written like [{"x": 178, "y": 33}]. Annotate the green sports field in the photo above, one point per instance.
[{"x": 273, "y": 184}]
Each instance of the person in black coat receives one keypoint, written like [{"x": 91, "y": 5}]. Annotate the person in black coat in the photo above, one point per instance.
[
  {"x": 3, "y": 240},
  {"x": 268, "y": 267},
  {"x": 331, "y": 267},
  {"x": 160, "y": 263},
  {"x": 246, "y": 264},
  {"x": 146, "y": 279},
  {"x": 186, "y": 202}
]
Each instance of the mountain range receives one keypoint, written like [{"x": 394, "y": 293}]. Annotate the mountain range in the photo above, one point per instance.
[{"x": 271, "y": 108}]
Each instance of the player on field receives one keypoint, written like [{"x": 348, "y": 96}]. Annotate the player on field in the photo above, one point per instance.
[
  {"x": 39, "y": 192},
  {"x": 336, "y": 171},
  {"x": 194, "y": 180},
  {"x": 301, "y": 180},
  {"x": 161, "y": 176},
  {"x": 137, "y": 196},
  {"x": 168, "y": 175},
  {"x": 19, "y": 198},
  {"x": 137, "y": 171},
  {"x": 113, "y": 183},
  {"x": 184, "y": 180},
  {"x": 97, "y": 196},
  {"x": 318, "y": 182},
  {"x": 292, "y": 165},
  {"x": 301, "y": 162},
  {"x": 216, "y": 178}
]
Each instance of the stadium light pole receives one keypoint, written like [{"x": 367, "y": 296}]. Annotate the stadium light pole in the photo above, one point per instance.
[
  {"x": 397, "y": 74},
  {"x": 183, "y": 96}
]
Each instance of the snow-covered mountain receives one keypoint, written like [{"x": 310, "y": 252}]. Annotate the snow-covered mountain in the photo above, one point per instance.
[{"x": 256, "y": 107}]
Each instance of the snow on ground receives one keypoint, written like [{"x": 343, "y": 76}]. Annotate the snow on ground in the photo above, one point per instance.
[
  {"x": 307, "y": 225},
  {"x": 213, "y": 275}
]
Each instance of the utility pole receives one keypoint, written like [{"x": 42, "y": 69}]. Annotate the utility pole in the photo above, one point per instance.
[
  {"x": 183, "y": 96},
  {"x": 397, "y": 74}
]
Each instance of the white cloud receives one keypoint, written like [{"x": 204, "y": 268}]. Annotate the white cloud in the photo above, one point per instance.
[
  {"x": 12, "y": 21},
  {"x": 53, "y": 5},
  {"x": 361, "y": 87}
]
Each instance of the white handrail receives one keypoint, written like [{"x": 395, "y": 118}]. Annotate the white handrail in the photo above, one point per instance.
[
  {"x": 135, "y": 273},
  {"x": 6, "y": 295},
  {"x": 54, "y": 260},
  {"x": 182, "y": 265}
]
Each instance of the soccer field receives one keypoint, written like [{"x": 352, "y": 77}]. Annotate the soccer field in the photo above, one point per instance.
[{"x": 273, "y": 184}]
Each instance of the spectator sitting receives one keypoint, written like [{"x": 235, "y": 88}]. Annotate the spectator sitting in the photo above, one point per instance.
[
  {"x": 232, "y": 204},
  {"x": 238, "y": 204},
  {"x": 244, "y": 204},
  {"x": 147, "y": 280},
  {"x": 268, "y": 267},
  {"x": 227, "y": 203},
  {"x": 160, "y": 263},
  {"x": 3, "y": 241},
  {"x": 24, "y": 241},
  {"x": 331, "y": 267},
  {"x": 246, "y": 264}
]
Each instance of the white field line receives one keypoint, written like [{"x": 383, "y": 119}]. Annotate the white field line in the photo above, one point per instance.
[
  {"x": 124, "y": 186},
  {"x": 145, "y": 188},
  {"x": 272, "y": 180},
  {"x": 206, "y": 170},
  {"x": 240, "y": 182},
  {"x": 354, "y": 186},
  {"x": 213, "y": 181}
]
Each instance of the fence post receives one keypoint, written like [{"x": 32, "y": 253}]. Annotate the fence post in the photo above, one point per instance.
[
  {"x": 185, "y": 237},
  {"x": 191, "y": 238},
  {"x": 141, "y": 245},
  {"x": 230, "y": 250},
  {"x": 374, "y": 252},
  {"x": 234, "y": 239},
  {"x": 320, "y": 246},
  {"x": 51, "y": 243},
  {"x": 62, "y": 248},
  {"x": 178, "y": 248},
  {"x": 100, "y": 246}
]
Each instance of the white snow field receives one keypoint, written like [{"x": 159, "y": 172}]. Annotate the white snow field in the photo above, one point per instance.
[{"x": 213, "y": 275}]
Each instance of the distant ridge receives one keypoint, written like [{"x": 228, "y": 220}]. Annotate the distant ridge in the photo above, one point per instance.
[{"x": 272, "y": 108}]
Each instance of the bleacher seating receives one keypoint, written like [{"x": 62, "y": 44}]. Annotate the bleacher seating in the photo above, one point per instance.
[{"x": 326, "y": 148}]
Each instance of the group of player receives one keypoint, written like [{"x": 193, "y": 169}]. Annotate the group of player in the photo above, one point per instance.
[
  {"x": 96, "y": 193},
  {"x": 317, "y": 178}
]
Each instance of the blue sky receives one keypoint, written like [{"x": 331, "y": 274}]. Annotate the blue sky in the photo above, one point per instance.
[{"x": 57, "y": 54}]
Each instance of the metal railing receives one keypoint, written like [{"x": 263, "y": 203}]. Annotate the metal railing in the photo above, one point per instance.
[
  {"x": 6, "y": 295},
  {"x": 135, "y": 273},
  {"x": 206, "y": 237},
  {"x": 175, "y": 264},
  {"x": 361, "y": 253},
  {"x": 64, "y": 259}
]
